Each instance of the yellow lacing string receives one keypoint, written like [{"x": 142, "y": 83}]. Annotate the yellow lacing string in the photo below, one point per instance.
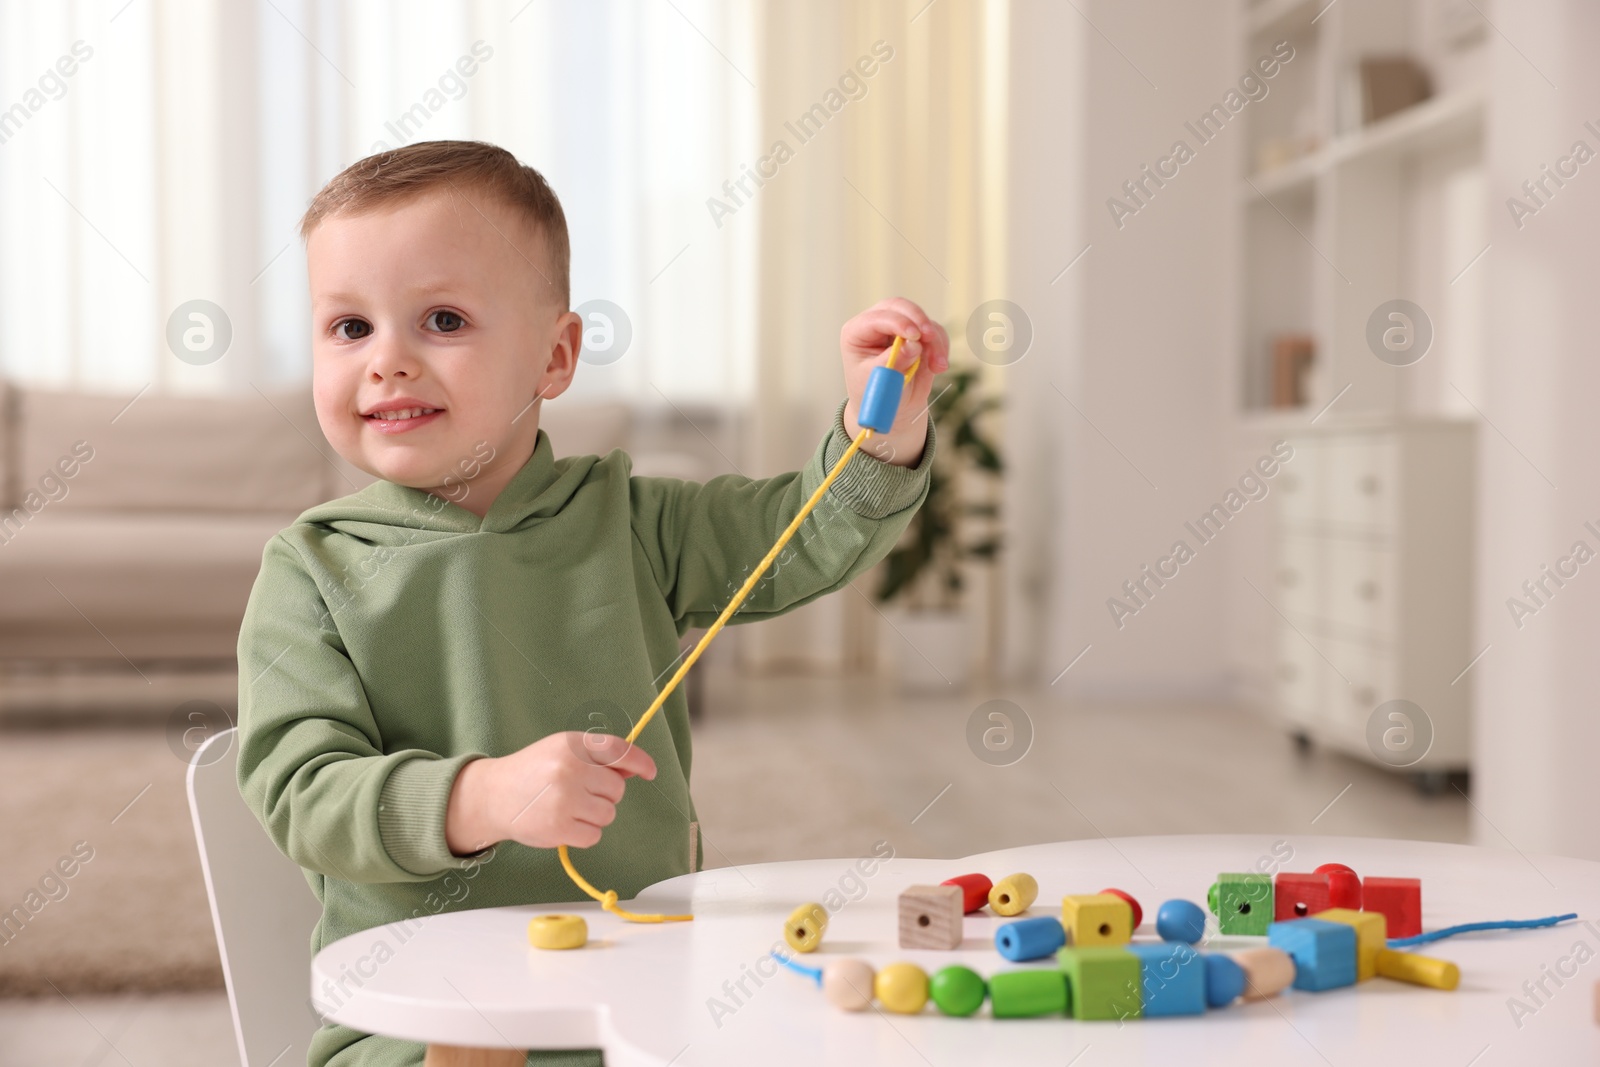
[{"x": 608, "y": 899}]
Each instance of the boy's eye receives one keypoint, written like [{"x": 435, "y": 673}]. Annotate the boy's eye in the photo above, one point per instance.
[
  {"x": 445, "y": 321},
  {"x": 351, "y": 329}
]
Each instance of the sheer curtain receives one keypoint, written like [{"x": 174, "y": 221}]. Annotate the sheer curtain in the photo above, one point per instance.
[{"x": 174, "y": 161}]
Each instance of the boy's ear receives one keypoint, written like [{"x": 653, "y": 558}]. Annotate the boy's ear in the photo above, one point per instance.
[{"x": 566, "y": 344}]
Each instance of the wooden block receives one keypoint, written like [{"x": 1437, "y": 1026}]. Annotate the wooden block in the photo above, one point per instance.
[
  {"x": 1299, "y": 895},
  {"x": 1102, "y": 981},
  {"x": 1138, "y": 912},
  {"x": 974, "y": 890},
  {"x": 848, "y": 984},
  {"x": 1371, "y": 936},
  {"x": 1013, "y": 894},
  {"x": 1267, "y": 971},
  {"x": 453, "y": 1056},
  {"x": 1097, "y": 919},
  {"x": 1024, "y": 994},
  {"x": 1172, "y": 979},
  {"x": 1242, "y": 903},
  {"x": 930, "y": 917},
  {"x": 1344, "y": 886},
  {"x": 1418, "y": 970},
  {"x": 558, "y": 931},
  {"x": 1400, "y": 901},
  {"x": 957, "y": 990},
  {"x": 1324, "y": 952}
]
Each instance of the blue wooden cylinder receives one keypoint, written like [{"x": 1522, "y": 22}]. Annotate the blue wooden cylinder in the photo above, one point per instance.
[
  {"x": 881, "y": 399},
  {"x": 1030, "y": 939}
]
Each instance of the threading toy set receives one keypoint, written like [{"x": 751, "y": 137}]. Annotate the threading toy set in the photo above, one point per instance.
[{"x": 1324, "y": 930}]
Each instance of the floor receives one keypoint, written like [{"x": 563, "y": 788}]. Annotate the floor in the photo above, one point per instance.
[{"x": 833, "y": 766}]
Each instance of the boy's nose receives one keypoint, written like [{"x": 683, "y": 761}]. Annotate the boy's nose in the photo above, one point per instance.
[{"x": 392, "y": 361}]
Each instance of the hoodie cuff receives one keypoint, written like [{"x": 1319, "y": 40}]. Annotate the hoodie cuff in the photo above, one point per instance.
[
  {"x": 411, "y": 814},
  {"x": 872, "y": 488}
]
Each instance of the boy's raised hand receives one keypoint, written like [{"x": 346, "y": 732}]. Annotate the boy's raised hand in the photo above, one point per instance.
[
  {"x": 864, "y": 343},
  {"x": 560, "y": 790}
]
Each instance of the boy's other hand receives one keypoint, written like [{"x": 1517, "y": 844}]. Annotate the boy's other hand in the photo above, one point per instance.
[
  {"x": 864, "y": 343},
  {"x": 560, "y": 790}
]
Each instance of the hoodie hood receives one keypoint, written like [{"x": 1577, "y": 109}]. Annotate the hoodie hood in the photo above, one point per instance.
[{"x": 385, "y": 513}]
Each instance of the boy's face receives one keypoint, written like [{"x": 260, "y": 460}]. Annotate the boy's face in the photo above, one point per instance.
[{"x": 428, "y": 305}]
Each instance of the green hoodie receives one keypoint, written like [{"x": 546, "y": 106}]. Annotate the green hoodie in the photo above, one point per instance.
[{"x": 393, "y": 636}]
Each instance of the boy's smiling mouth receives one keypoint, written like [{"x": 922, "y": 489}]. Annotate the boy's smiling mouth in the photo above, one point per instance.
[{"x": 400, "y": 415}]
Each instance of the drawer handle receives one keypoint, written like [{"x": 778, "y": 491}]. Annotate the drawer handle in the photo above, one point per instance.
[{"x": 1368, "y": 590}]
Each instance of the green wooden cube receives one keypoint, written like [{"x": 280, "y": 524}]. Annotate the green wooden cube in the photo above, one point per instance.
[
  {"x": 1102, "y": 981},
  {"x": 1242, "y": 903}
]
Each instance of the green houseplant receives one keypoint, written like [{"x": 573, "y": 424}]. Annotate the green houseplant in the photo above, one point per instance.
[{"x": 923, "y": 575}]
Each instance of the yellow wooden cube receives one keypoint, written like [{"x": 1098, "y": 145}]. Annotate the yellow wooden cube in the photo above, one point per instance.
[
  {"x": 1372, "y": 936},
  {"x": 1097, "y": 919}
]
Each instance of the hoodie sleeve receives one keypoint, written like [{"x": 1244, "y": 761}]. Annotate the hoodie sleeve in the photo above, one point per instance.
[
  {"x": 703, "y": 540},
  {"x": 311, "y": 765}
]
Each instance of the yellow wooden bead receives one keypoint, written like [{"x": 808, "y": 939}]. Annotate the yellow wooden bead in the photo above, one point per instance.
[
  {"x": 901, "y": 987},
  {"x": 1418, "y": 970},
  {"x": 804, "y": 927},
  {"x": 1012, "y": 894},
  {"x": 558, "y": 931}
]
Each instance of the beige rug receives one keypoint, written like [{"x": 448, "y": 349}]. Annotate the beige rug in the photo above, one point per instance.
[{"x": 134, "y": 916}]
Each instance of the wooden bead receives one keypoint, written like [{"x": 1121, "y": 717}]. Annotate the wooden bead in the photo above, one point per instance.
[
  {"x": 1024, "y": 994},
  {"x": 1400, "y": 901},
  {"x": 558, "y": 931},
  {"x": 1418, "y": 970},
  {"x": 1267, "y": 971},
  {"x": 1097, "y": 919},
  {"x": 930, "y": 917},
  {"x": 1030, "y": 939},
  {"x": 848, "y": 984},
  {"x": 1102, "y": 982},
  {"x": 902, "y": 988},
  {"x": 1297, "y": 896},
  {"x": 1013, "y": 894},
  {"x": 1242, "y": 903},
  {"x": 1371, "y": 936},
  {"x": 1174, "y": 979},
  {"x": 1138, "y": 912},
  {"x": 1344, "y": 886},
  {"x": 1224, "y": 980},
  {"x": 974, "y": 890},
  {"x": 1181, "y": 920},
  {"x": 1324, "y": 952},
  {"x": 804, "y": 927},
  {"x": 957, "y": 990}
]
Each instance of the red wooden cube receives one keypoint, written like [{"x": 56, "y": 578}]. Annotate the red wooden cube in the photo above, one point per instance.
[
  {"x": 1300, "y": 895},
  {"x": 1400, "y": 901}
]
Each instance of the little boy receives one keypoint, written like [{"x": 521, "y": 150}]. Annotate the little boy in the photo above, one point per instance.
[{"x": 419, "y": 660}]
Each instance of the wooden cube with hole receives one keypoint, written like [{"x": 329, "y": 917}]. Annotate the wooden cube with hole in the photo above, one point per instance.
[
  {"x": 1242, "y": 903},
  {"x": 1297, "y": 896},
  {"x": 930, "y": 917},
  {"x": 1097, "y": 919}
]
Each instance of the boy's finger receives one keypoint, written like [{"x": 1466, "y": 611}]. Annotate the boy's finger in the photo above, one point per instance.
[
  {"x": 602, "y": 749},
  {"x": 635, "y": 761}
]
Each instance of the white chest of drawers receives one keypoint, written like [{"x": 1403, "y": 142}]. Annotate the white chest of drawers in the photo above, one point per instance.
[{"x": 1373, "y": 543}]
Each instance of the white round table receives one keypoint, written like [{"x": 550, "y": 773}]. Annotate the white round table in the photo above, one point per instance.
[{"x": 698, "y": 993}]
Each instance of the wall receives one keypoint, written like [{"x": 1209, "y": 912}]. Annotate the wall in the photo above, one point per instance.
[
  {"x": 1136, "y": 386},
  {"x": 1537, "y": 731}
]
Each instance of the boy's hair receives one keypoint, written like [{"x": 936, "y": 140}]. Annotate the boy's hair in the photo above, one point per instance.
[{"x": 386, "y": 178}]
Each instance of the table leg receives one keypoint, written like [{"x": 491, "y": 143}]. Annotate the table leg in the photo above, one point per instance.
[{"x": 454, "y": 1056}]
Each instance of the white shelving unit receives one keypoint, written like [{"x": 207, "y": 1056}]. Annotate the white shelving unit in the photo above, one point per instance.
[{"x": 1396, "y": 209}]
